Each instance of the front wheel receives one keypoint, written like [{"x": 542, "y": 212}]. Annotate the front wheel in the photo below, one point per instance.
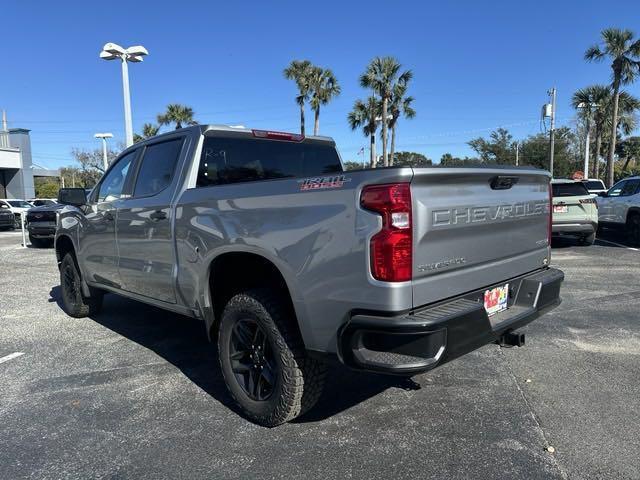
[
  {"x": 75, "y": 303},
  {"x": 263, "y": 360},
  {"x": 633, "y": 229}
]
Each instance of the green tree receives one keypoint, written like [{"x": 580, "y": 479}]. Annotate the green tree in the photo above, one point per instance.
[
  {"x": 46, "y": 187},
  {"x": 148, "y": 130},
  {"x": 597, "y": 101},
  {"x": 399, "y": 105},
  {"x": 178, "y": 114},
  {"x": 411, "y": 159},
  {"x": 381, "y": 75},
  {"x": 323, "y": 87},
  {"x": 499, "y": 148},
  {"x": 364, "y": 115},
  {"x": 448, "y": 160},
  {"x": 624, "y": 52},
  {"x": 353, "y": 166},
  {"x": 629, "y": 150},
  {"x": 535, "y": 152},
  {"x": 300, "y": 72}
]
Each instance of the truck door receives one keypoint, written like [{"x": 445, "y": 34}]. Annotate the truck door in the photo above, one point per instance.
[
  {"x": 146, "y": 254},
  {"x": 606, "y": 204},
  {"x": 98, "y": 253},
  {"x": 621, "y": 207}
]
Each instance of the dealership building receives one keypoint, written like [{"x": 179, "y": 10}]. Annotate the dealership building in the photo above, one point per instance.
[{"x": 17, "y": 170}]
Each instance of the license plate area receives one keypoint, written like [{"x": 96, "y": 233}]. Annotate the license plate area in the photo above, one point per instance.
[
  {"x": 495, "y": 299},
  {"x": 560, "y": 209}
]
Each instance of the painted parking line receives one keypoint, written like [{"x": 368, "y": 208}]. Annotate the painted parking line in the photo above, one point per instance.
[
  {"x": 11, "y": 356},
  {"x": 618, "y": 244}
]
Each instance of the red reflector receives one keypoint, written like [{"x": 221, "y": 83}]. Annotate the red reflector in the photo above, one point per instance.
[
  {"x": 288, "y": 137},
  {"x": 391, "y": 248}
]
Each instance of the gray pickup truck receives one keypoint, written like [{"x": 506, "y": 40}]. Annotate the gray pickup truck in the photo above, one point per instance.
[{"x": 292, "y": 262}]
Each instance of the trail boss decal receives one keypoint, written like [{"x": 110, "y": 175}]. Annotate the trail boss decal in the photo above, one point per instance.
[{"x": 317, "y": 183}]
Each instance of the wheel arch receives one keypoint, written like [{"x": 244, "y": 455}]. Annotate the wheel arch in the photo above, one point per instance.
[{"x": 234, "y": 271}]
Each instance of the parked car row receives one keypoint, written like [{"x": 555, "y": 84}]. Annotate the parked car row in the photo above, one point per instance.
[{"x": 582, "y": 208}]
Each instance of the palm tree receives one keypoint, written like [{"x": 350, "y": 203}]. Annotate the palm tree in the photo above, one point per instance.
[
  {"x": 148, "y": 130},
  {"x": 365, "y": 115},
  {"x": 600, "y": 96},
  {"x": 381, "y": 75},
  {"x": 624, "y": 52},
  {"x": 398, "y": 106},
  {"x": 299, "y": 71},
  {"x": 323, "y": 87},
  {"x": 178, "y": 114}
]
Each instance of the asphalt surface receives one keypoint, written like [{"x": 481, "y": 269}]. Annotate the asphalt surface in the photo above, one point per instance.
[{"x": 136, "y": 393}]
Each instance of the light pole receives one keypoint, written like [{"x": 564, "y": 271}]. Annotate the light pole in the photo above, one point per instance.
[
  {"x": 111, "y": 51},
  {"x": 589, "y": 106},
  {"x": 104, "y": 137}
]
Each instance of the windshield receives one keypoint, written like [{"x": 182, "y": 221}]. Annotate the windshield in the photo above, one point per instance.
[
  {"x": 569, "y": 189},
  {"x": 19, "y": 204},
  {"x": 594, "y": 185}
]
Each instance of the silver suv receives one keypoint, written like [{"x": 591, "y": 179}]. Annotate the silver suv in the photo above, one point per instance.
[{"x": 619, "y": 208}]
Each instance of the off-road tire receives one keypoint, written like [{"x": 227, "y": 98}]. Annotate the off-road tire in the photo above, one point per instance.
[
  {"x": 633, "y": 229},
  {"x": 40, "y": 242},
  {"x": 75, "y": 303},
  {"x": 299, "y": 378}
]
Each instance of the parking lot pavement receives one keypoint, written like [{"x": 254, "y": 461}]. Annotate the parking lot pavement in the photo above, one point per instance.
[{"x": 135, "y": 393}]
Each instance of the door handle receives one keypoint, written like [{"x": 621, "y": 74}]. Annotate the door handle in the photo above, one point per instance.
[
  {"x": 158, "y": 215},
  {"x": 108, "y": 216}
]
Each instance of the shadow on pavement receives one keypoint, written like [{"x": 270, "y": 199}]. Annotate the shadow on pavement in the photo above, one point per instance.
[{"x": 182, "y": 341}]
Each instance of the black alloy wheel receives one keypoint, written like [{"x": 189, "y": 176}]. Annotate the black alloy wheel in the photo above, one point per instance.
[{"x": 251, "y": 358}]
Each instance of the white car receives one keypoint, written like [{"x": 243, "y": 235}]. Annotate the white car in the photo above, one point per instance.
[
  {"x": 619, "y": 208},
  {"x": 595, "y": 186},
  {"x": 17, "y": 206}
]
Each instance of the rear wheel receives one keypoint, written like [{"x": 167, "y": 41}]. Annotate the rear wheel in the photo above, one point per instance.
[
  {"x": 263, "y": 360},
  {"x": 633, "y": 228},
  {"x": 588, "y": 240},
  {"x": 75, "y": 303}
]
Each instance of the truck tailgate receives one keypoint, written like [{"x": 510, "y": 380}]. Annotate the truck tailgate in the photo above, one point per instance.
[{"x": 476, "y": 227}]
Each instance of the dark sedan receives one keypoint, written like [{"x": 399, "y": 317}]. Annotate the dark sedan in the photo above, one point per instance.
[{"x": 7, "y": 219}]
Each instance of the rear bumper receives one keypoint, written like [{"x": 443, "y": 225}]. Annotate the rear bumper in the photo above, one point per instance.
[
  {"x": 431, "y": 336},
  {"x": 574, "y": 228}
]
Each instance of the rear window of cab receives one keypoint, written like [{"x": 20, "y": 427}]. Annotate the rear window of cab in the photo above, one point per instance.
[{"x": 234, "y": 160}]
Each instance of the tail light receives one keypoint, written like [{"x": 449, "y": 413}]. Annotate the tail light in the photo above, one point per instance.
[{"x": 391, "y": 249}]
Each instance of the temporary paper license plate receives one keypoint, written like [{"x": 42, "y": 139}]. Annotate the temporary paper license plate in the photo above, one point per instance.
[
  {"x": 495, "y": 300},
  {"x": 559, "y": 209}
]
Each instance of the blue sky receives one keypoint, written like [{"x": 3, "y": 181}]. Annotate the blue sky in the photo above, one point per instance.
[{"x": 477, "y": 65}]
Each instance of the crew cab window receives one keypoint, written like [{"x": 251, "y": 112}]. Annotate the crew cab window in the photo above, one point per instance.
[
  {"x": 234, "y": 160},
  {"x": 113, "y": 183},
  {"x": 158, "y": 166}
]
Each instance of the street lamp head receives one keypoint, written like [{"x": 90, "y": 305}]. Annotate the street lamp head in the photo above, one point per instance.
[
  {"x": 103, "y": 135},
  {"x": 136, "y": 51},
  {"x": 134, "y": 59},
  {"x": 108, "y": 55},
  {"x": 114, "y": 49}
]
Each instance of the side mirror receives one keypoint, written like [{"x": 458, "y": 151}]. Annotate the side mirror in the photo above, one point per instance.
[
  {"x": 72, "y": 196},
  {"x": 602, "y": 194}
]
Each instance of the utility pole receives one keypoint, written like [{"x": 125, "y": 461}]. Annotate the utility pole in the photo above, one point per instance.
[
  {"x": 517, "y": 153},
  {"x": 552, "y": 135}
]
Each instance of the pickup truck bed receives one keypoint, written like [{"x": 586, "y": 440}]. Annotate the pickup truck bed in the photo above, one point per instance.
[{"x": 394, "y": 270}]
